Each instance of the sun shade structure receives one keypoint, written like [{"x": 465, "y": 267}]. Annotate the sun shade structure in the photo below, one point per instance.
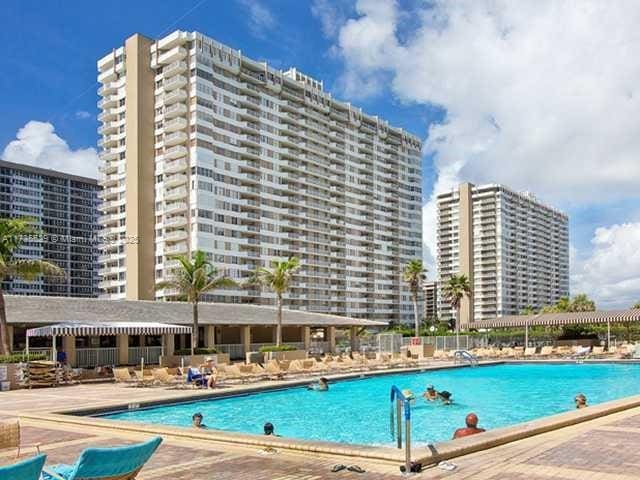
[
  {"x": 97, "y": 329},
  {"x": 560, "y": 319}
]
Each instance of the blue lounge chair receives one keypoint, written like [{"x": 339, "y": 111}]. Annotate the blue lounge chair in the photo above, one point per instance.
[
  {"x": 114, "y": 463},
  {"x": 28, "y": 469}
]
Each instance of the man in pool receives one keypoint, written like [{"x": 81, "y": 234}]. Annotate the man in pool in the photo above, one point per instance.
[
  {"x": 471, "y": 429},
  {"x": 196, "y": 421},
  {"x": 445, "y": 397},
  {"x": 581, "y": 401},
  {"x": 269, "y": 430},
  {"x": 430, "y": 394}
]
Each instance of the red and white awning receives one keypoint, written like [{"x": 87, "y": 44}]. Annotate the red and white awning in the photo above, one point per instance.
[{"x": 116, "y": 328}]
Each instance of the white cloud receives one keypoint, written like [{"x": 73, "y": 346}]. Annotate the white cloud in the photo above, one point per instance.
[
  {"x": 82, "y": 115},
  {"x": 541, "y": 95},
  {"x": 261, "y": 20},
  {"x": 331, "y": 13},
  {"x": 611, "y": 273},
  {"x": 38, "y": 145}
]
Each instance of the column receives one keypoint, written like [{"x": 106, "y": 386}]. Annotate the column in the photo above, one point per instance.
[
  {"x": 69, "y": 347},
  {"x": 245, "y": 338},
  {"x": 168, "y": 345},
  {"x": 209, "y": 336},
  {"x": 10, "y": 337},
  {"x": 306, "y": 337},
  {"x": 123, "y": 349},
  {"x": 353, "y": 336},
  {"x": 331, "y": 333}
]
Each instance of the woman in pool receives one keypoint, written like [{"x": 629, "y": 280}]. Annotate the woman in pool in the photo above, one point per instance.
[
  {"x": 581, "y": 401},
  {"x": 321, "y": 386},
  {"x": 445, "y": 397},
  {"x": 430, "y": 394}
]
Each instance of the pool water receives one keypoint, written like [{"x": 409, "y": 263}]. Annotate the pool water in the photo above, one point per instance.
[{"x": 357, "y": 411}]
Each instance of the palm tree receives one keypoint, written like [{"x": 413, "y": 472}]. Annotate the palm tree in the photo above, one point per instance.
[
  {"x": 195, "y": 277},
  {"x": 454, "y": 290},
  {"x": 528, "y": 310},
  {"x": 414, "y": 275},
  {"x": 13, "y": 232},
  {"x": 278, "y": 279},
  {"x": 582, "y": 303},
  {"x": 637, "y": 305}
]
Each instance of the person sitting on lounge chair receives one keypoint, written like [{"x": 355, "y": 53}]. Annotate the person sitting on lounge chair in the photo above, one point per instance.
[
  {"x": 269, "y": 430},
  {"x": 581, "y": 401},
  {"x": 321, "y": 386},
  {"x": 471, "y": 429},
  {"x": 208, "y": 369},
  {"x": 196, "y": 421},
  {"x": 430, "y": 394},
  {"x": 445, "y": 397}
]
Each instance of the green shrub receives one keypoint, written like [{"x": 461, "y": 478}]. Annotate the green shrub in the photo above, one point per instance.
[
  {"x": 198, "y": 351},
  {"x": 276, "y": 348},
  {"x": 19, "y": 357}
]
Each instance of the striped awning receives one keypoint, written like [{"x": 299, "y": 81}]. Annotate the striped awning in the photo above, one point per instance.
[
  {"x": 116, "y": 328},
  {"x": 558, "y": 319}
]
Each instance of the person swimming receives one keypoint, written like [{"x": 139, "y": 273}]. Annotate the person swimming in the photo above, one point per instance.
[
  {"x": 581, "y": 401},
  {"x": 445, "y": 397},
  {"x": 321, "y": 386},
  {"x": 196, "y": 420},
  {"x": 471, "y": 428},
  {"x": 430, "y": 394},
  {"x": 269, "y": 430}
]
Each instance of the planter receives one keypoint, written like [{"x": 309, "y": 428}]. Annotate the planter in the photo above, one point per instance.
[
  {"x": 8, "y": 378},
  {"x": 173, "y": 361}
]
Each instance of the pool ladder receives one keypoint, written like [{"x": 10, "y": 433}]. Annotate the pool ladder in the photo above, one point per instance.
[
  {"x": 400, "y": 403},
  {"x": 466, "y": 356}
]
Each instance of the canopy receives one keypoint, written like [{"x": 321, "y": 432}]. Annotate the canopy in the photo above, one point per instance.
[
  {"x": 553, "y": 319},
  {"x": 114, "y": 328}
]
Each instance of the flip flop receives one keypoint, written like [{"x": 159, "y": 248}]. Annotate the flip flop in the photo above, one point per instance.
[
  {"x": 337, "y": 468},
  {"x": 356, "y": 469},
  {"x": 449, "y": 467}
]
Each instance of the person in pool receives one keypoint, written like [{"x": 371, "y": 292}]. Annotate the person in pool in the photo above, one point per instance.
[
  {"x": 196, "y": 421},
  {"x": 321, "y": 386},
  {"x": 430, "y": 394},
  {"x": 581, "y": 401},
  {"x": 445, "y": 397},
  {"x": 269, "y": 430},
  {"x": 471, "y": 429}
]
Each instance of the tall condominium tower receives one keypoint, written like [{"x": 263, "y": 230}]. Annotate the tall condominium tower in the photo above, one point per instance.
[
  {"x": 430, "y": 301},
  {"x": 64, "y": 208},
  {"x": 514, "y": 250},
  {"x": 204, "y": 148}
]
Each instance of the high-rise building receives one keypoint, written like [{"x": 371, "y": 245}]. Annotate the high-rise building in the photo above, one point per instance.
[
  {"x": 204, "y": 148},
  {"x": 513, "y": 248},
  {"x": 430, "y": 301},
  {"x": 64, "y": 209}
]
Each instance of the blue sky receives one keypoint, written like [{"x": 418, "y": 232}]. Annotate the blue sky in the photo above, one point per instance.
[{"x": 407, "y": 61}]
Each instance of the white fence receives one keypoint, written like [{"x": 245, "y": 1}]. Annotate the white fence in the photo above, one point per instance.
[
  {"x": 151, "y": 355},
  {"x": 93, "y": 357}
]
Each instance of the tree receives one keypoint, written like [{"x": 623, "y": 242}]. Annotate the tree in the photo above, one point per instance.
[
  {"x": 637, "y": 305},
  {"x": 278, "y": 279},
  {"x": 582, "y": 303},
  {"x": 414, "y": 275},
  {"x": 195, "y": 277},
  {"x": 528, "y": 310},
  {"x": 13, "y": 233},
  {"x": 454, "y": 290}
]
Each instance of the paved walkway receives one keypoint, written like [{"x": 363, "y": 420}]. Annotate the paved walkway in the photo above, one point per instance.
[{"x": 604, "y": 449}]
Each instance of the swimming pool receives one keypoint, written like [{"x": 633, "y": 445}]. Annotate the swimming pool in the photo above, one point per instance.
[{"x": 357, "y": 411}]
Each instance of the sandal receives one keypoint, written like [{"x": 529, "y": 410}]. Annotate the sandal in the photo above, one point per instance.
[
  {"x": 356, "y": 469},
  {"x": 337, "y": 468}
]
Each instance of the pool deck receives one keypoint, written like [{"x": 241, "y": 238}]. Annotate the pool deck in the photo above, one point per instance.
[{"x": 600, "y": 448}]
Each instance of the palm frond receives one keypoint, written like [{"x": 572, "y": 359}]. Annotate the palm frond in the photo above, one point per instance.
[{"x": 32, "y": 269}]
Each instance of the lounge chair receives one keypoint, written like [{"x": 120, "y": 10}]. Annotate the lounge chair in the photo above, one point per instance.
[
  {"x": 597, "y": 351},
  {"x": 112, "y": 463},
  {"x": 10, "y": 438},
  {"x": 29, "y": 469},
  {"x": 529, "y": 351},
  {"x": 274, "y": 371},
  {"x": 546, "y": 351},
  {"x": 161, "y": 376},
  {"x": 122, "y": 375}
]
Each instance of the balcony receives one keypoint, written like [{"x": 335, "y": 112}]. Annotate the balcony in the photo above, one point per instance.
[
  {"x": 175, "y": 166},
  {"x": 107, "y": 76},
  {"x": 108, "y": 155},
  {"x": 175, "y": 124},
  {"x": 175, "y": 207},
  {"x": 176, "y": 96},
  {"x": 176, "y": 236},
  {"x": 175, "y": 39},
  {"x": 108, "y": 88},
  {"x": 173, "y": 55},
  {"x": 174, "y": 180},
  {"x": 108, "y": 114},
  {"x": 108, "y": 127},
  {"x": 175, "y": 111},
  {"x": 108, "y": 101},
  {"x": 175, "y": 138},
  {"x": 175, "y": 193},
  {"x": 175, "y": 152},
  {"x": 176, "y": 249},
  {"x": 174, "y": 69},
  {"x": 174, "y": 82},
  {"x": 175, "y": 221}
]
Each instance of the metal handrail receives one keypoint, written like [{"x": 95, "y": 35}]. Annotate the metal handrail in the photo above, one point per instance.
[
  {"x": 465, "y": 355},
  {"x": 402, "y": 402}
]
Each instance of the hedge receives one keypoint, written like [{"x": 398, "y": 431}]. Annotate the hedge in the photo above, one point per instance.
[
  {"x": 198, "y": 351},
  {"x": 277, "y": 348},
  {"x": 19, "y": 357}
]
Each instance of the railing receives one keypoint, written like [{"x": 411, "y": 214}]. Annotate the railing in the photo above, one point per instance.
[
  {"x": 463, "y": 355},
  {"x": 151, "y": 355},
  {"x": 320, "y": 347},
  {"x": 94, "y": 357},
  {"x": 235, "y": 350},
  {"x": 448, "y": 342},
  {"x": 401, "y": 403}
]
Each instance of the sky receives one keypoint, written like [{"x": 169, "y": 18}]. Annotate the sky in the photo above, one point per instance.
[{"x": 539, "y": 95}]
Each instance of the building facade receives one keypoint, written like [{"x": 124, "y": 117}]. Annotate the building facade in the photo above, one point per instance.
[
  {"x": 204, "y": 148},
  {"x": 430, "y": 301},
  {"x": 513, "y": 248},
  {"x": 64, "y": 208}
]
